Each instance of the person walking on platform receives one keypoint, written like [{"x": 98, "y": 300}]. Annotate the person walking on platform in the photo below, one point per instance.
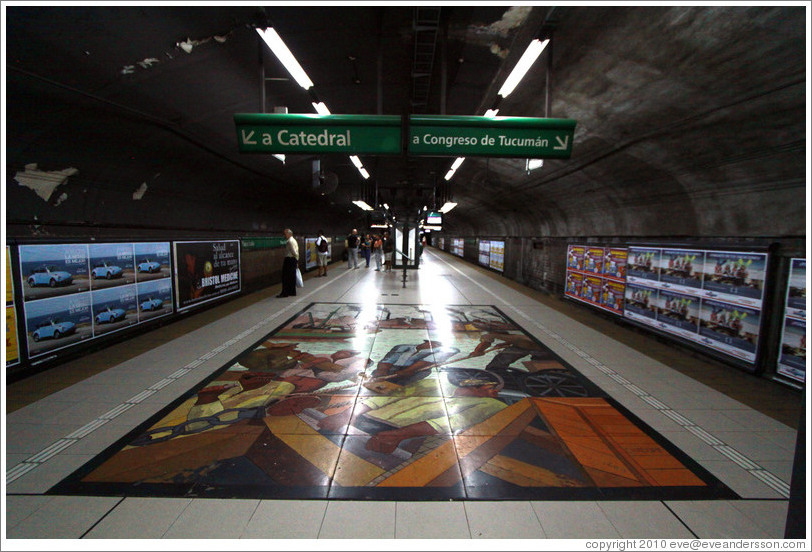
[
  {"x": 289, "y": 265},
  {"x": 364, "y": 245},
  {"x": 352, "y": 249},
  {"x": 322, "y": 249}
]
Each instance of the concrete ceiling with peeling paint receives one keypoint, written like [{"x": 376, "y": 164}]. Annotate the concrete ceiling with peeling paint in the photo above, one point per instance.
[{"x": 691, "y": 121}]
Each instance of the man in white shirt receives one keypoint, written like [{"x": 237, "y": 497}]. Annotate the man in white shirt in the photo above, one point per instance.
[{"x": 289, "y": 265}]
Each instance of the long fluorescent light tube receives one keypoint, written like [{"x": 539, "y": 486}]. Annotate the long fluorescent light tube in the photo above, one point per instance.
[
  {"x": 386, "y": 206},
  {"x": 447, "y": 207},
  {"x": 449, "y": 174},
  {"x": 528, "y": 58},
  {"x": 320, "y": 108},
  {"x": 491, "y": 113},
  {"x": 363, "y": 205},
  {"x": 457, "y": 163},
  {"x": 356, "y": 161},
  {"x": 533, "y": 164},
  {"x": 280, "y": 156},
  {"x": 277, "y": 46},
  {"x": 365, "y": 174}
]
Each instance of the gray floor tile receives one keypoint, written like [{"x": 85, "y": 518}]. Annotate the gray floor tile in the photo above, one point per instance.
[
  {"x": 431, "y": 520},
  {"x": 739, "y": 480},
  {"x": 769, "y": 515},
  {"x": 286, "y": 519},
  {"x": 711, "y": 421},
  {"x": 638, "y": 519},
  {"x": 503, "y": 520},
  {"x": 574, "y": 520},
  {"x": 212, "y": 519},
  {"x": 359, "y": 520},
  {"x": 140, "y": 518},
  {"x": 754, "y": 447},
  {"x": 20, "y": 507},
  {"x": 45, "y": 476},
  {"x": 716, "y": 520},
  {"x": 64, "y": 517}
]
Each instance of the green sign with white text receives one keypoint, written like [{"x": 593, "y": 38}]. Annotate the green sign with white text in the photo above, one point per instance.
[
  {"x": 350, "y": 134},
  {"x": 527, "y": 137}
]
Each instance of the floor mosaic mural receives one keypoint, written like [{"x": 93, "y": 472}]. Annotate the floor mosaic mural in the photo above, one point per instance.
[{"x": 396, "y": 402}]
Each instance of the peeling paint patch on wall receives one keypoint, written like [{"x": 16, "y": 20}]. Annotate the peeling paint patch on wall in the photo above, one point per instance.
[
  {"x": 43, "y": 182},
  {"x": 511, "y": 19}
]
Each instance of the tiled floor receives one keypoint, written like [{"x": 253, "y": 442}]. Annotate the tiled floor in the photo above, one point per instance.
[{"x": 751, "y": 453}]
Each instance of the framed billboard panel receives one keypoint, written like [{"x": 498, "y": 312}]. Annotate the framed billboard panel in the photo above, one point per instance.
[
  {"x": 484, "y": 252},
  {"x": 735, "y": 277},
  {"x": 111, "y": 265},
  {"x": 796, "y": 289},
  {"x": 57, "y": 322},
  {"x": 458, "y": 247},
  {"x": 152, "y": 261},
  {"x": 615, "y": 260},
  {"x": 205, "y": 271},
  {"x": 681, "y": 270},
  {"x": 598, "y": 274},
  {"x": 575, "y": 283},
  {"x": 497, "y": 255},
  {"x": 12, "y": 344},
  {"x": 613, "y": 296},
  {"x": 593, "y": 260},
  {"x": 644, "y": 266},
  {"x": 575, "y": 257},
  {"x": 114, "y": 309},
  {"x": 154, "y": 299},
  {"x": 53, "y": 270},
  {"x": 678, "y": 313},
  {"x": 730, "y": 328},
  {"x": 641, "y": 303},
  {"x": 792, "y": 358}
]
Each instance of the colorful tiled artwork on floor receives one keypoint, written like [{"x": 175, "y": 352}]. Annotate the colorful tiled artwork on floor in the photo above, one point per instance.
[{"x": 396, "y": 402}]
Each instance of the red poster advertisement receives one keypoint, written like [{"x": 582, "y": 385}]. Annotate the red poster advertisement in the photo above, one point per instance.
[
  {"x": 592, "y": 289},
  {"x": 614, "y": 263},
  {"x": 575, "y": 257},
  {"x": 593, "y": 260},
  {"x": 612, "y": 296},
  {"x": 575, "y": 282}
]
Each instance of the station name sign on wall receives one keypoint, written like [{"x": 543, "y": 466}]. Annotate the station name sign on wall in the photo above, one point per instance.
[{"x": 428, "y": 135}]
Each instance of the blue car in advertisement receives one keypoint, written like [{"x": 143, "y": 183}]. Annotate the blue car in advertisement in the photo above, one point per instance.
[
  {"x": 105, "y": 270},
  {"x": 53, "y": 329},
  {"x": 49, "y": 276},
  {"x": 108, "y": 316},
  {"x": 152, "y": 304},
  {"x": 149, "y": 266}
]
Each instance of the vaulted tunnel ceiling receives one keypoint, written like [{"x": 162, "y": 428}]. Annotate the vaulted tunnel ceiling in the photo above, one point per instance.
[{"x": 690, "y": 120}]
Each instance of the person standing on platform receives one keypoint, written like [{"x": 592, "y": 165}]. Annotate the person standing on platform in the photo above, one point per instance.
[
  {"x": 289, "y": 265},
  {"x": 322, "y": 249},
  {"x": 352, "y": 249},
  {"x": 364, "y": 245},
  {"x": 388, "y": 250},
  {"x": 377, "y": 251}
]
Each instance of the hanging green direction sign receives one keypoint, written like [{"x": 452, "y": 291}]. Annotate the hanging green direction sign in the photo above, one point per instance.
[
  {"x": 533, "y": 138},
  {"x": 350, "y": 134}
]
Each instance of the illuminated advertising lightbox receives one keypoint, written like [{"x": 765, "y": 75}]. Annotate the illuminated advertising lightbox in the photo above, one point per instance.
[
  {"x": 792, "y": 358},
  {"x": 681, "y": 270},
  {"x": 154, "y": 299},
  {"x": 53, "y": 270},
  {"x": 458, "y": 246},
  {"x": 497, "y": 256},
  {"x": 57, "y": 322},
  {"x": 311, "y": 252},
  {"x": 733, "y": 329},
  {"x": 643, "y": 266},
  {"x": 735, "y": 277},
  {"x": 484, "y": 252},
  {"x": 596, "y": 275},
  {"x": 441, "y": 243},
  {"x": 205, "y": 271}
]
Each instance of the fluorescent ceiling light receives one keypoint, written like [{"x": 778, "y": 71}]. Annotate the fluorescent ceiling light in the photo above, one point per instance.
[
  {"x": 280, "y": 156},
  {"x": 365, "y": 174},
  {"x": 363, "y": 205},
  {"x": 277, "y": 46},
  {"x": 356, "y": 161},
  {"x": 457, "y": 163},
  {"x": 386, "y": 206},
  {"x": 447, "y": 207},
  {"x": 378, "y": 226},
  {"x": 533, "y": 164},
  {"x": 491, "y": 113},
  {"x": 320, "y": 108},
  {"x": 530, "y": 55},
  {"x": 449, "y": 174}
]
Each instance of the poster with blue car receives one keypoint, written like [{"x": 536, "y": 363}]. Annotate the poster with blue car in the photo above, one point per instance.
[
  {"x": 154, "y": 299},
  {"x": 53, "y": 270},
  {"x": 152, "y": 261},
  {"x": 111, "y": 265},
  {"x": 57, "y": 322},
  {"x": 114, "y": 309}
]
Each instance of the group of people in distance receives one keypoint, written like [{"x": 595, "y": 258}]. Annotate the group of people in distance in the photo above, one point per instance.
[{"x": 377, "y": 246}]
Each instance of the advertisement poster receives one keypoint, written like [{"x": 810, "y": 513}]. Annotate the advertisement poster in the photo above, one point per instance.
[
  {"x": 614, "y": 262},
  {"x": 613, "y": 296},
  {"x": 111, "y": 264},
  {"x": 732, "y": 329},
  {"x": 154, "y": 299},
  {"x": 441, "y": 243},
  {"x": 678, "y": 313},
  {"x": 458, "y": 247},
  {"x": 12, "y": 350},
  {"x": 497, "y": 256},
  {"x": 796, "y": 292},
  {"x": 575, "y": 284},
  {"x": 735, "y": 277},
  {"x": 593, "y": 260},
  {"x": 113, "y": 309},
  {"x": 681, "y": 270},
  {"x": 206, "y": 271},
  {"x": 53, "y": 270},
  {"x": 152, "y": 261},
  {"x": 57, "y": 322},
  {"x": 640, "y": 303},
  {"x": 792, "y": 359},
  {"x": 484, "y": 252},
  {"x": 575, "y": 257},
  {"x": 643, "y": 266},
  {"x": 591, "y": 290},
  {"x": 9, "y": 280}
]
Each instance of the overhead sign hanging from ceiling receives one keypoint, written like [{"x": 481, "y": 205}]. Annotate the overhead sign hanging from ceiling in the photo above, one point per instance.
[{"x": 433, "y": 135}]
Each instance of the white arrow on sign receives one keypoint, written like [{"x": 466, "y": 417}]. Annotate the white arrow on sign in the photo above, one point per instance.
[
  {"x": 247, "y": 139},
  {"x": 561, "y": 145}
]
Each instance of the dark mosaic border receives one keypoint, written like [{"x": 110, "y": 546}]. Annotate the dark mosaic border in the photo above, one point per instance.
[{"x": 72, "y": 484}]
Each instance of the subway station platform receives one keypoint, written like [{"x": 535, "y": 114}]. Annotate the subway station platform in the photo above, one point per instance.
[{"x": 459, "y": 406}]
